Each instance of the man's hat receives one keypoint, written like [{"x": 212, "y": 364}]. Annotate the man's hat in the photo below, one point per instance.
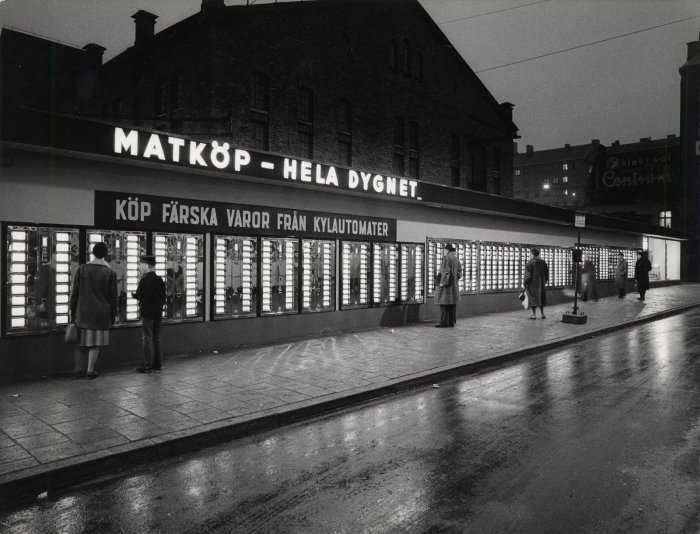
[
  {"x": 150, "y": 259},
  {"x": 449, "y": 247}
]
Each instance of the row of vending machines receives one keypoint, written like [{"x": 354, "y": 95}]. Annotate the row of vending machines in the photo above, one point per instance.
[{"x": 250, "y": 276}]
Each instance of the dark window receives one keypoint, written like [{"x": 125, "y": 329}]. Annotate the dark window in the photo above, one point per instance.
[
  {"x": 419, "y": 66},
  {"x": 104, "y": 111},
  {"x": 345, "y": 152},
  {"x": 455, "y": 179},
  {"x": 455, "y": 163},
  {"x": 496, "y": 171},
  {"x": 176, "y": 91},
  {"x": 413, "y": 150},
  {"x": 344, "y": 116},
  {"x": 405, "y": 58},
  {"x": 306, "y": 141},
  {"x": 260, "y": 134},
  {"x": 259, "y": 92},
  {"x": 137, "y": 119},
  {"x": 413, "y": 135},
  {"x": 159, "y": 99},
  {"x": 306, "y": 105},
  {"x": 399, "y": 166},
  {"x": 478, "y": 168}
]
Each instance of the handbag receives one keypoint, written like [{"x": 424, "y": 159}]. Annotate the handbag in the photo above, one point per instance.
[
  {"x": 72, "y": 334},
  {"x": 524, "y": 300}
]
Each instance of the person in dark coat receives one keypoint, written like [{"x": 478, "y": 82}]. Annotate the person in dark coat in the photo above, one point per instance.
[
  {"x": 151, "y": 294},
  {"x": 621, "y": 276},
  {"x": 588, "y": 281},
  {"x": 641, "y": 273},
  {"x": 447, "y": 293},
  {"x": 93, "y": 307},
  {"x": 536, "y": 278}
]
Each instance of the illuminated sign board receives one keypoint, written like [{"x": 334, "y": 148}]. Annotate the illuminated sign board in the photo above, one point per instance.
[
  {"x": 136, "y": 211},
  {"x": 221, "y": 156}
]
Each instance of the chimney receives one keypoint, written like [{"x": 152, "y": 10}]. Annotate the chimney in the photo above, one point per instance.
[
  {"x": 529, "y": 149},
  {"x": 595, "y": 142},
  {"x": 671, "y": 137},
  {"x": 93, "y": 55},
  {"x": 211, "y": 5},
  {"x": 693, "y": 49},
  {"x": 616, "y": 142},
  {"x": 645, "y": 140},
  {"x": 145, "y": 22},
  {"x": 567, "y": 145}
]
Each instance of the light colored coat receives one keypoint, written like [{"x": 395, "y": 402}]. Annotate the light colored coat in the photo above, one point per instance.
[
  {"x": 536, "y": 277},
  {"x": 447, "y": 296},
  {"x": 93, "y": 300}
]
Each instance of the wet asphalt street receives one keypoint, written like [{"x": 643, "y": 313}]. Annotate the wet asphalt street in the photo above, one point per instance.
[{"x": 602, "y": 436}]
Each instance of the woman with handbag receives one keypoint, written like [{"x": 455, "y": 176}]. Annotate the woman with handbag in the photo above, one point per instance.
[
  {"x": 447, "y": 293},
  {"x": 93, "y": 307},
  {"x": 536, "y": 278}
]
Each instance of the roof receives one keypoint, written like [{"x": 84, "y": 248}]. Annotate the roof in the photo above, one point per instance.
[
  {"x": 554, "y": 155},
  {"x": 673, "y": 142}
]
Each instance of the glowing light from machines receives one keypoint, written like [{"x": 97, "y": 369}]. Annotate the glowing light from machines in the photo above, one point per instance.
[
  {"x": 191, "y": 261},
  {"x": 220, "y": 276},
  {"x": 289, "y": 278},
  {"x": 306, "y": 277},
  {"x": 326, "y": 275},
  {"x": 266, "y": 268}
]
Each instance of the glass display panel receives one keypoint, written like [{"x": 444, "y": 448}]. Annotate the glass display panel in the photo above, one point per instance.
[
  {"x": 279, "y": 265},
  {"x": 318, "y": 276},
  {"x": 235, "y": 276},
  {"x": 123, "y": 252},
  {"x": 411, "y": 273},
  {"x": 385, "y": 270},
  {"x": 355, "y": 274},
  {"x": 180, "y": 261},
  {"x": 40, "y": 264}
]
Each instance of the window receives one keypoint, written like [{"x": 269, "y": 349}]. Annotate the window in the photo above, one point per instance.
[
  {"x": 565, "y": 166},
  {"x": 260, "y": 135},
  {"x": 419, "y": 66},
  {"x": 306, "y": 105},
  {"x": 413, "y": 150},
  {"x": 665, "y": 218},
  {"x": 405, "y": 57},
  {"x": 159, "y": 99},
  {"x": 306, "y": 141},
  {"x": 344, "y": 116},
  {"x": 517, "y": 172},
  {"x": 564, "y": 179},
  {"x": 345, "y": 152},
  {"x": 176, "y": 91},
  {"x": 259, "y": 92},
  {"x": 555, "y": 180},
  {"x": 398, "y": 166}
]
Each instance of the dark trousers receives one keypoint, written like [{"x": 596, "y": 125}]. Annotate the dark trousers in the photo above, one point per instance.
[
  {"x": 150, "y": 336},
  {"x": 448, "y": 314}
]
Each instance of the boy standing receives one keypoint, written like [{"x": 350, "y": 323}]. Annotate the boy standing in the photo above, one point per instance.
[{"x": 151, "y": 296}]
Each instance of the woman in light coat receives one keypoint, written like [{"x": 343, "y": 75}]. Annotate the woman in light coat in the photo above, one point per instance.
[
  {"x": 447, "y": 293},
  {"x": 621, "y": 276},
  {"x": 536, "y": 278},
  {"x": 93, "y": 307}
]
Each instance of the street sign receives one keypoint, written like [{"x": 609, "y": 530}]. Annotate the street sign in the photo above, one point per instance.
[{"x": 580, "y": 220}]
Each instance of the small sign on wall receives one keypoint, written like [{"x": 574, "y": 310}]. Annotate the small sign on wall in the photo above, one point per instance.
[{"x": 580, "y": 220}]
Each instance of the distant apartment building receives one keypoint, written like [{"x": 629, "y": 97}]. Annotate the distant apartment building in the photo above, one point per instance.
[{"x": 559, "y": 177}]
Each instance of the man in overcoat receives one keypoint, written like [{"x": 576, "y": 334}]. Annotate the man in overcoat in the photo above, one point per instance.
[
  {"x": 535, "y": 282},
  {"x": 641, "y": 273},
  {"x": 447, "y": 293}
]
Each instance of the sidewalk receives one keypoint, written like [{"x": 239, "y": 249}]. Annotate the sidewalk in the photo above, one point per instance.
[{"x": 59, "y": 431}]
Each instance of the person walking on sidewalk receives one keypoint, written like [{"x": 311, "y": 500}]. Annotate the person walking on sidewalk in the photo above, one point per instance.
[
  {"x": 641, "y": 273},
  {"x": 536, "y": 278},
  {"x": 621, "y": 276},
  {"x": 93, "y": 307},
  {"x": 151, "y": 294},
  {"x": 588, "y": 281},
  {"x": 447, "y": 294}
]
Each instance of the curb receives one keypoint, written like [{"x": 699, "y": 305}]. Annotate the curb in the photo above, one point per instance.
[{"x": 27, "y": 484}]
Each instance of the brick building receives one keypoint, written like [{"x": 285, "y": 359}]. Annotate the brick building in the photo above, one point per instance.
[
  {"x": 558, "y": 176},
  {"x": 690, "y": 155},
  {"x": 362, "y": 83}
]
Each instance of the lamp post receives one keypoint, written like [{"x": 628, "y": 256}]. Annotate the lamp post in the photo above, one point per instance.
[{"x": 575, "y": 317}]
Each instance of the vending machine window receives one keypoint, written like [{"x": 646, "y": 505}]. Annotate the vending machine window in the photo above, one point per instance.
[
  {"x": 385, "y": 270},
  {"x": 180, "y": 261},
  {"x": 40, "y": 266},
  {"x": 412, "y": 273},
  {"x": 355, "y": 274},
  {"x": 235, "y": 276},
  {"x": 318, "y": 276},
  {"x": 124, "y": 250},
  {"x": 279, "y": 274}
]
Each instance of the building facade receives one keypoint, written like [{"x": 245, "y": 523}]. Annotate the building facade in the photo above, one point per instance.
[
  {"x": 558, "y": 176},
  {"x": 260, "y": 245},
  {"x": 690, "y": 155}
]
